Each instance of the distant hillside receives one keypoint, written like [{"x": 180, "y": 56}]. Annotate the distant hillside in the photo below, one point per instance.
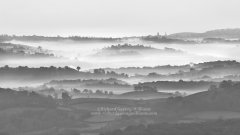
[
  {"x": 8, "y": 50},
  {"x": 164, "y": 70},
  {"x": 26, "y": 75},
  {"x": 129, "y": 47},
  {"x": 201, "y": 113},
  {"x": 11, "y": 98},
  {"x": 177, "y": 85},
  {"x": 110, "y": 84},
  {"x": 28, "y": 113},
  {"x": 133, "y": 50},
  {"x": 207, "y": 71},
  {"x": 166, "y": 39},
  {"x": 219, "y": 33},
  {"x": 220, "y": 40},
  {"x": 36, "y": 38},
  {"x": 224, "y": 97}
]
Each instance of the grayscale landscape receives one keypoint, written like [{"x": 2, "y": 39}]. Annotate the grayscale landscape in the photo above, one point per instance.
[{"x": 153, "y": 67}]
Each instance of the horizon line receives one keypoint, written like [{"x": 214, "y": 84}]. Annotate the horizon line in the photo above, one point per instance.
[{"x": 91, "y": 36}]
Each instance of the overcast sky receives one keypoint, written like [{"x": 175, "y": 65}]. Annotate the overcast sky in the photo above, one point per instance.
[{"x": 116, "y": 17}]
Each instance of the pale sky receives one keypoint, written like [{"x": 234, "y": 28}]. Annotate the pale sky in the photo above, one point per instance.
[{"x": 116, "y": 17}]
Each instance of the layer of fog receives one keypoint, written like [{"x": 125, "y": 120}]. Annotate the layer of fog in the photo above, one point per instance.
[{"x": 79, "y": 54}]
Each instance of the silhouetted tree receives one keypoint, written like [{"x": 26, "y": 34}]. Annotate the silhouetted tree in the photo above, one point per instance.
[
  {"x": 99, "y": 71},
  {"x": 66, "y": 97},
  {"x": 66, "y": 67},
  {"x": 85, "y": 91},
  {"x": 99, "y": 92},
  {"x": 76, "y": 91},
  {"x": 6, "y": 67},
  {"x": 138, "y": 88},
  {"x": 78, "y": 68},
  {"x": 213, "y": 87},
  {"x": 106, "y": 92},
  {"x": 110, "y": 93},
  {"x": 226, "y": 84}
]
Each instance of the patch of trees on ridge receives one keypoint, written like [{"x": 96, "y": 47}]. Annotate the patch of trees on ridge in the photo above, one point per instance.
[
  {"x": 165, "y": 39},
  {"x": 11, "y": 98},
  {"x": 176, "y": 85},
  {"x": 128, "y": 46},
  {"x": 11, "y": 50},
  {"x": 51, "y": 73}
]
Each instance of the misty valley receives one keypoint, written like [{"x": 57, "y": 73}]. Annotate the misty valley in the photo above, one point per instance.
[{"x": 177, "y": 84}]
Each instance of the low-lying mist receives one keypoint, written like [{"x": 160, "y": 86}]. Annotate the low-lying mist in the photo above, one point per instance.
[{"x": 73, "y": 53}]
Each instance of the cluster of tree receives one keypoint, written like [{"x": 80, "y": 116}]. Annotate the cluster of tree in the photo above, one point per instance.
[
  {"x": 226, "y": 85},
  {"x": 53, "y": 73},
  {"x": 173, "y": 69},
  {"x": 89, "y": 91},
  {"x": 40, "y": 70},
  {"x": 164, "y": 70},
  {"x": 8, "y": 49},
  {"x": 200, "y": 72},
  {"x": 87, "y": 82},
  {"x": 216, "y": 64},
  {"x": 145, "y": 88},
  {"x": 130, "y": 50},
  {"x": 11, "y": 98},
  {"x": 101, "y": 71},
  {"x": 165, "y": 39},
  {"x": 65, "y": 94},
  {"x": 175, "y": 85},
  {"x": 218, "y": 127},
  {"x": 128, "y": 46},
  {"x": 66, "y": 97}
]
